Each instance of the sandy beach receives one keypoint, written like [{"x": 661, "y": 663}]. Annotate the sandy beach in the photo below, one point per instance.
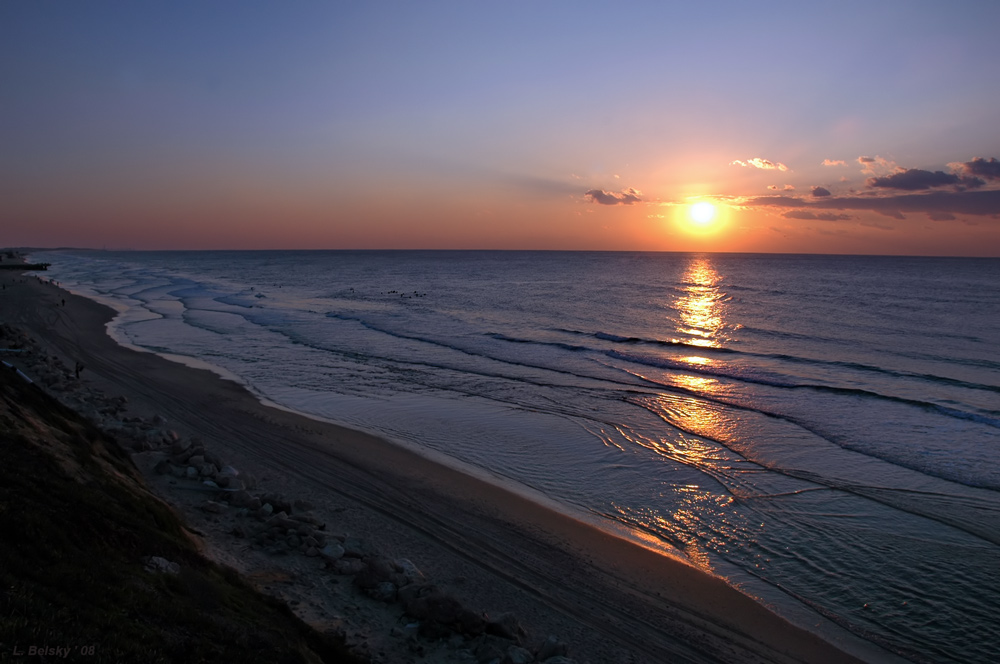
[{"x": 609, "y": 599}]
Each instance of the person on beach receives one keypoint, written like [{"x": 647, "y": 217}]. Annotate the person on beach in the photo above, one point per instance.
[{"x": 79, "y": 367}]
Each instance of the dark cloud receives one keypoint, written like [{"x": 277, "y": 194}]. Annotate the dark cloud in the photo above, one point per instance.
[
  {"x": 822, "y": 216},
  {"x": 866, "y": 160},
  {"x": 626, "y": 197},
  {"x": 984, "y": 168},
  {"x": 915, "y": 179},
  {"x": 981, "y": 203},
  {"x": 892, "y": 214},
  {"x": 941, "y": 216},
  {"x": 820, "y": 191}
]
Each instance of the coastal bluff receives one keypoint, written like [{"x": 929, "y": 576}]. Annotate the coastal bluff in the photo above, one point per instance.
[{"x": 94, "y": 567}]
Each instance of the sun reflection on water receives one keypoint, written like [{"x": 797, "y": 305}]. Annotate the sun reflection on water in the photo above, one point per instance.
[{"x": 701, "y": 305}]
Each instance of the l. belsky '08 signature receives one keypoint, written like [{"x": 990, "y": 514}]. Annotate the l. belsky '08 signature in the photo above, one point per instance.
[{"x": 54, "y": 651}]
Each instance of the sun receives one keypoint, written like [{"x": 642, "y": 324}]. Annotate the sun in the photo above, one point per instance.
[{"x": 702, "y": 213}]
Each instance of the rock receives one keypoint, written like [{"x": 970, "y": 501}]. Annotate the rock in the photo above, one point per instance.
[
  {"x": 312, "y": 552},
  {"x": 177, "y": 471},
  {"x": 191, "y": 472},
  {"x": 163, "y": 467},
  {"x": 210, "y": 484},
  {"x": 196, "y": 460},
  {"x": 438, "y": 608},
  {"x": 229, "y": 472},
  {"x": 254, "y": 504},
  {"x": 332, "y": 552},
  {"x": 378, "y": 570},
  {"x": 240, "y": 499},
  {"x": 383, "y": 592},
  {"x": 303, "y": 506},
  {"x": 267, "y": 508},
  {"x": 159, "y": 420},
  {"x": 355, "y": 548},
  {"x": 517, "y": 655},
  {"x": 551, "y": 647},
  {"x": 213, "y": 507},
  {"x": 505, "y": 625},
  {"x": 409, "y": 570},
  {"x": 490, "y": 648},
  {"x": 412, "y": 591},
  {"x": 156, "y": 564},
  {"x": 206, "y": 470},
  {"x": 214, "y": 459},
  {"x": 559, "y": 659},
  {"x": 348, "y": 566},
  {"x": 308, "y": 518}
]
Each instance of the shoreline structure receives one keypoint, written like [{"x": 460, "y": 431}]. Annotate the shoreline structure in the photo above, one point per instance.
[{"x": 610, "y": 598}]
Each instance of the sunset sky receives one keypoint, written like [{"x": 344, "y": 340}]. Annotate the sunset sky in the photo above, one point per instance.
[{"x": 851, "y": 127}]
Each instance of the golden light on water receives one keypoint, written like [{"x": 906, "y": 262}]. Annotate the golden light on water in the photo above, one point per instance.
[{"x": 700, "y": 307}]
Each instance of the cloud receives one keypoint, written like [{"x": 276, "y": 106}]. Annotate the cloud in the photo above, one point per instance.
[
  {"x": 820, "y": 191},
  {"x": 941, "y": 216},
  {"x": 626, "y": 197},
  {"x": 834, "y": 162},
  {"x": 763, "y": 164},
  {"x": 979, "y": 167},
  {"x": 980, "y": 203},
  {"x": 915, "y": 179},
  {"x": 822, "y": 216},
  {"x": 871, "y": 164}
]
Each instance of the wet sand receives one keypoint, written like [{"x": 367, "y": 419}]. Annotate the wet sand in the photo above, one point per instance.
[{"x": 609, "y": 599}]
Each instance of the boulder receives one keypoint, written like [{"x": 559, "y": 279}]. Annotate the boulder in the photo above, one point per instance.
[
  {"x": 551, "y": 647},
  {"x": 348, "y": 566},
  {"x": 355, "y": 547},
  {"x": 240, "y": 499},
  {"x": 156, "y": 564},
  {"x": 332, "y": 552},
  {"x": 228, "y": 472},
  {"x": 505, "y": 625},
  {"x": 383, "y": 592},
  {"x": 517, "y": 655},
  {"x": 409, "y": 570},
  {"x": 378, "y": 570},
  {"x": 213, "y": 507}
]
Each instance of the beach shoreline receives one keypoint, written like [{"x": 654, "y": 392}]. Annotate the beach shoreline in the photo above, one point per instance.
[{"x": 608, "y": 597}]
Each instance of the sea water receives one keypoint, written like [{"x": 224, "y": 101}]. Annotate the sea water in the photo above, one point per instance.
[{"x": 822, "y": 431}]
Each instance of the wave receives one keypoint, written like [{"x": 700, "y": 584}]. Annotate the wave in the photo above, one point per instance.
[{"x": 760, "y": 377}]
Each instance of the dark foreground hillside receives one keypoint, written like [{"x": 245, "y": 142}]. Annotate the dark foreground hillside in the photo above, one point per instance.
[{"x": 94, "y": 568}]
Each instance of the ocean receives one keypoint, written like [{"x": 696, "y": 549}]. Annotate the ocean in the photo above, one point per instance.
[{"x": 822, "y": 431}]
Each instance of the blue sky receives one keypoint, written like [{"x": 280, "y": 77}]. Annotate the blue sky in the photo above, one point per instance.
[{"x": 254, "y": 124}]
